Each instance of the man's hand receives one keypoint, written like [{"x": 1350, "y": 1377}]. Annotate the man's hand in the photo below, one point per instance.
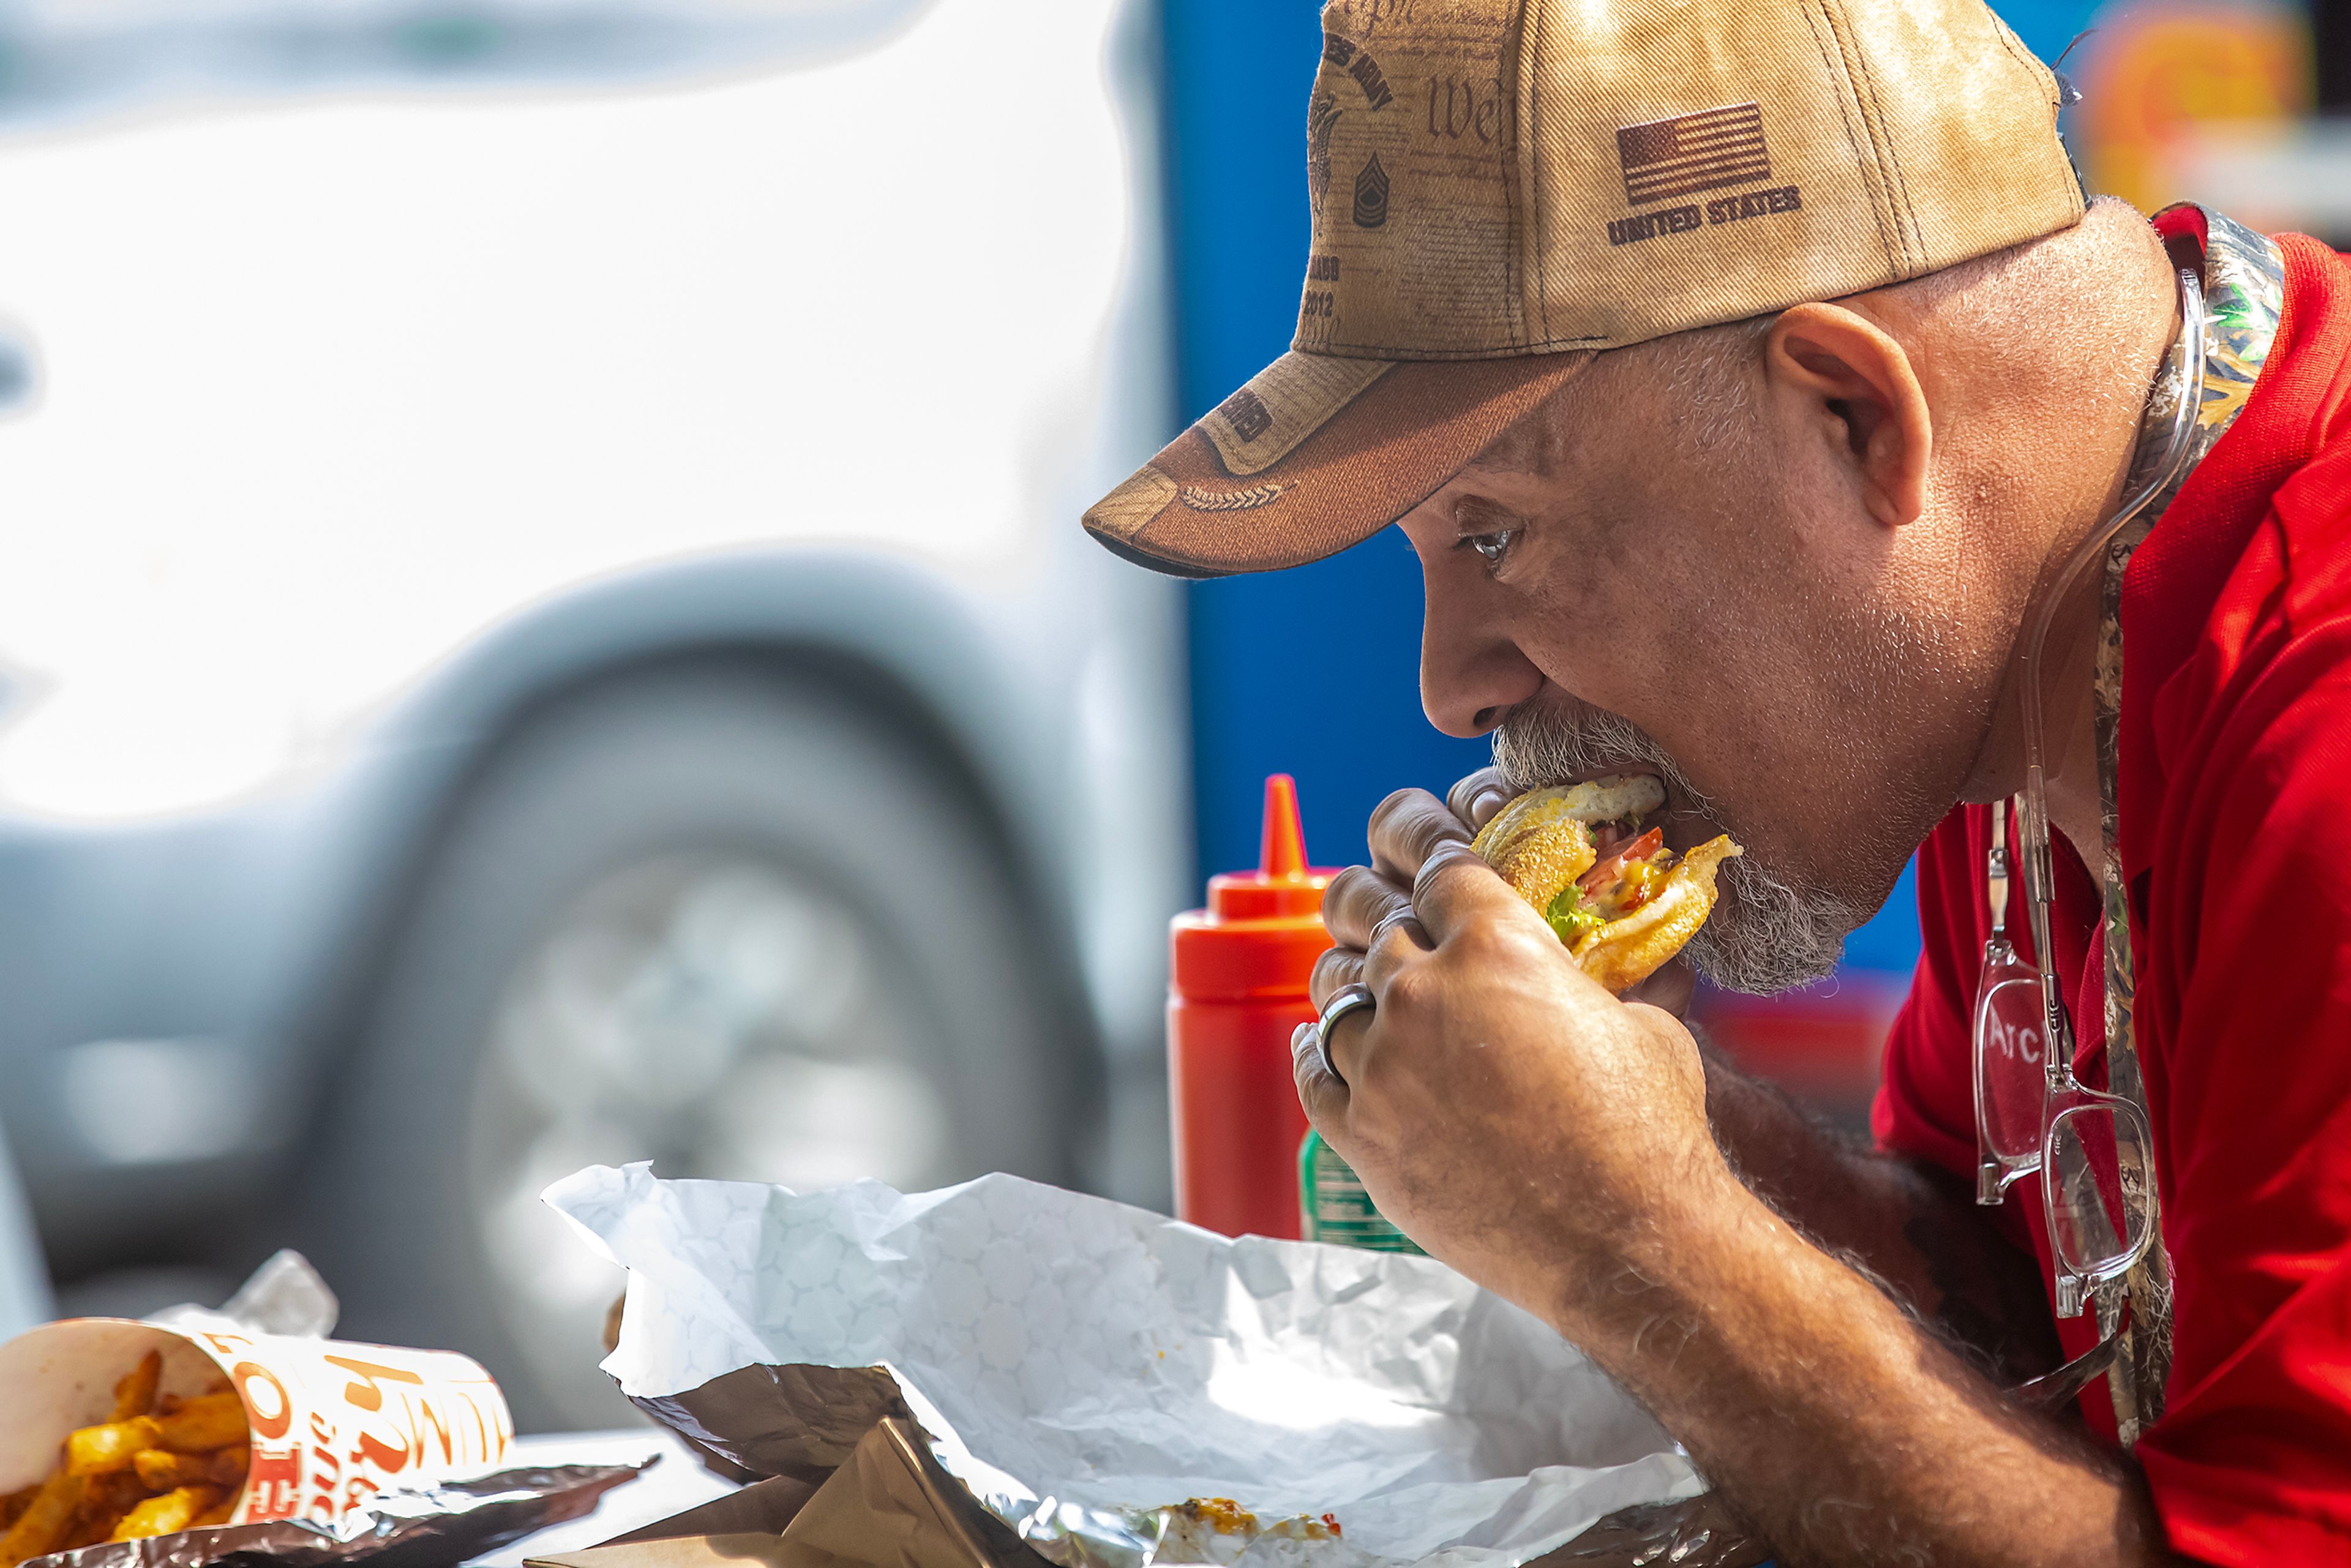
[
  {"x": 1475, "y": 799},
  {"x": 1501, "y": 1107},
  {"x": 1916, "y": 1229},
  {"x": 1552, "y": 1143}
]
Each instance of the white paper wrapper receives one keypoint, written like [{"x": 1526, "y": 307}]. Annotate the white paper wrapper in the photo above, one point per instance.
[{"x": 1081, "y": 1364}]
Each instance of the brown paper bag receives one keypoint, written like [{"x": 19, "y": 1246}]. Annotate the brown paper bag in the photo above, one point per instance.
[{"x": 887, "y": 1504}]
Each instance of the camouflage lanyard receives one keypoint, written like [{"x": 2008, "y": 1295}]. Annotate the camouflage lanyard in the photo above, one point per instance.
[{"x": 2245, "y": 291}]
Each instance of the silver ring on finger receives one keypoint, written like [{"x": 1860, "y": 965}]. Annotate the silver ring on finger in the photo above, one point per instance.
[
  {"x": 1404, "y": 919},
  {"x": 1347, "y": 1000}
]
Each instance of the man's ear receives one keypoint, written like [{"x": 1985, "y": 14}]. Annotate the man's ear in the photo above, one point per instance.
[{"x": 1860, "y": 381}]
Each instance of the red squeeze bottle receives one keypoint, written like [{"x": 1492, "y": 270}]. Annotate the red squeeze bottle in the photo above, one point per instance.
[{"x": 1236, "y": 991}]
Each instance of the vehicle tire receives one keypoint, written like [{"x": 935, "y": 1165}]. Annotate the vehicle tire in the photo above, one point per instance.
[{"x": 731, "y": 922}]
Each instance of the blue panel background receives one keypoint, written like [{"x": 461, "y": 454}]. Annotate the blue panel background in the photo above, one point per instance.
[{"x": 1315, "y": 671}]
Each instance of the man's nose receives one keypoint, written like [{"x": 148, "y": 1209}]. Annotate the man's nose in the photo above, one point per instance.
[{"x": 1470, "y": 675}]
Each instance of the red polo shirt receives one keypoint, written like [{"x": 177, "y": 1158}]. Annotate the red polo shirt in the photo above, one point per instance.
[{"x": 2235, "y": 792}]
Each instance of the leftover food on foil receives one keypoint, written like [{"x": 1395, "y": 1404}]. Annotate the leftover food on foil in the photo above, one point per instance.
[
  {"x": 163, "y": 1463},
  {"x": 1622, "y": 900},
  {"x": 1219, "y": 1530}
]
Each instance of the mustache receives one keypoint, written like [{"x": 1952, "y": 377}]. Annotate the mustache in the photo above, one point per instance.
[{"x": 1534, "y": 746}]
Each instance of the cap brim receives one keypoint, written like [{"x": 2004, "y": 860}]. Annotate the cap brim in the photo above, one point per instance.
[{"x": 1314, "y": 454}]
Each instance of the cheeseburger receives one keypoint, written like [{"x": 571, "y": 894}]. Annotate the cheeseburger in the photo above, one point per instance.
[{"x": 1622, "y": 902}]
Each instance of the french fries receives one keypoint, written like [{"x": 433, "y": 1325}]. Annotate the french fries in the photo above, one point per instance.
[
  {"x": 45, "y": 1521},
  {"x": 205, "y": 1423},
  {"x": 160, "y": 1472},
  {"x": 135, "y": 1395},
  {"x": 174, "y": 1511},
  {"x": 104, "y": 1500},
  {"x": 164, "y": 1463},
  {"x": 116, "y": 1446}
]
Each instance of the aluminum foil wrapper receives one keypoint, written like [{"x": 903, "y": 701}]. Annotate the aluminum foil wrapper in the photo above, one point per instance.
[
  {"x": 434, "y": 1526},
  {"x": 1081, "y": 1369}
]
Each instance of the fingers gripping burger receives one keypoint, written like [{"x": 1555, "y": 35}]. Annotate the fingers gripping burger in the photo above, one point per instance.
[{"x": 1622, "y": 902}]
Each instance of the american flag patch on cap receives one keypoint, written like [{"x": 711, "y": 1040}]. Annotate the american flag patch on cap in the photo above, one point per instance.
[{"x": 1714, "y": 147}]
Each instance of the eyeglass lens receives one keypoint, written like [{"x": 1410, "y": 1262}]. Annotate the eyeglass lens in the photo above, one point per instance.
[
  {"x": 2011, "y": 1067},
  {"x": 2100, "y": 1186}
]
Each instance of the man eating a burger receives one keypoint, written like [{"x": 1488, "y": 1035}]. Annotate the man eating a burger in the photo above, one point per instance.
[{"x": 1787, "y": 443}]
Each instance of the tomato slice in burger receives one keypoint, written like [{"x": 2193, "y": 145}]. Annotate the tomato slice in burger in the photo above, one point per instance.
[
  {"x": 1627, "y": 879},
  {"x": 1606, "y": 871}
]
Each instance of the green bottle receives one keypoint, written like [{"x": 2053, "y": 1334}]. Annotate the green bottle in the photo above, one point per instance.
[{"x": 1333, "y": 1206}]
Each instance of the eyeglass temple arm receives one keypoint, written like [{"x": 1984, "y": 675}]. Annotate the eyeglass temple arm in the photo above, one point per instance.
[
  {"x": 1996, "y": 868},
  {"x": 1992, "y": 1175},
  {"x": 2052, "y": 1391}
]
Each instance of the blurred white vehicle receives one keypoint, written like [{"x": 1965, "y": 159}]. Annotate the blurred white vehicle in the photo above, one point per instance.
[
  {"x": 23, "y": 1274},
  {"x": 542, "y": 621}
]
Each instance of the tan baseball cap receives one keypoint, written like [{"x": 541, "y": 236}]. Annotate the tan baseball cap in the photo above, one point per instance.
[{"x": 1504, "y": 188}]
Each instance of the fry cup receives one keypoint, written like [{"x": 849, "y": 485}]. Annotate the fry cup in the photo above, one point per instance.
[{"x": 330, "y": 1423}]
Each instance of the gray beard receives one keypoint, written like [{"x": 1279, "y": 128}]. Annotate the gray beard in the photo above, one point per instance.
[{"x": 1770, "y": 931}]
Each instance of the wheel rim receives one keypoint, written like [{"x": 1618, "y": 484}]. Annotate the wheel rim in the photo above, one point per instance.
[{"x": 723, "y": 1015}]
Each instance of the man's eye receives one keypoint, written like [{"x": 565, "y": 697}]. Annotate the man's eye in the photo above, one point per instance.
[{"x": 1491, "y": 547}]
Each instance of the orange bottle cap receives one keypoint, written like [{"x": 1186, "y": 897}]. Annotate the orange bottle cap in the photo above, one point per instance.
[{"x": 1263, "y": 929}]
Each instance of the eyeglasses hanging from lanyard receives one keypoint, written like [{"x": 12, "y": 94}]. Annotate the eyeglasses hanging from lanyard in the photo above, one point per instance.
[{"x": 2094, "y": 1150}]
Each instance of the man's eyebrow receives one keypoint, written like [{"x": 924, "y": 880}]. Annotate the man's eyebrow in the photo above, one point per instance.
[
  {"x": 1476, "y": 514},
  {"x": 1502, "y": 457}
]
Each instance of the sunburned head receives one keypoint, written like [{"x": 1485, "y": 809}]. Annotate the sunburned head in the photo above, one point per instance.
[{"x": 1783, "y": 564}]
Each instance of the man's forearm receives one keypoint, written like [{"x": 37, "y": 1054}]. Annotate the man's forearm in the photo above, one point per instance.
[
  {"x": 1917, "y": 1231},
  {"x": 1845, "y": 1431}
]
